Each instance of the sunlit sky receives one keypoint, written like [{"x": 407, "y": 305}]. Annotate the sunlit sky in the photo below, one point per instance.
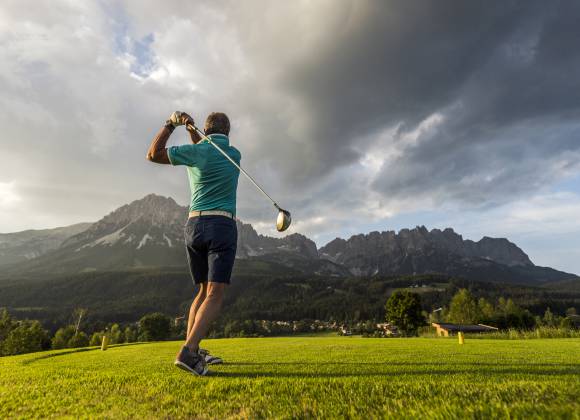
[{"x": 355, "y": 115}]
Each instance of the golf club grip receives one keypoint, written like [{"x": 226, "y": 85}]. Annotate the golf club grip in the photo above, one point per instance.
[{"x": 193, "y": 127}]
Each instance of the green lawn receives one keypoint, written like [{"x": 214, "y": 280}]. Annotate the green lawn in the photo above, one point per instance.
[{"x": 328, "y": 377}]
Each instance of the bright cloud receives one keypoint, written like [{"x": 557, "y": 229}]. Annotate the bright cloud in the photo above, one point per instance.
[{"x": 8, "y": 196}]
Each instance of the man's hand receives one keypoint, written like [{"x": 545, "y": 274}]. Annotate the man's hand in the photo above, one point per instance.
[
  {"x": 187, "y": 119},
  {"x": 175, "y": 119},
  {"x": 157, "y": 152},
  {"x": 189, "y": 123},
  {"x": 180, "y": 118}
]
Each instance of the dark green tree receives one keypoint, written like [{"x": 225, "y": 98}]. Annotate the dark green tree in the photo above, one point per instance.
[
  {"x": 232, "y": 328},
  {"x": 116, "y": 334},
  {"x": 154, "y": 327},
  {"x": 26, "y": 337},
  {"x": 96, "y": 339},
  {"x": 130, "y": 335},
  {"x": 486, "y": 309},
  {"x": 6, "y": 324},
  {"x": 62, "y": 337},
  {"x": 404, "y": 310},
  {"x": 549, "y": 319},
  {"x": 510, "y": 315},
  {"x": 463, "y": 308},
  {"x": 80, "y": 339}
]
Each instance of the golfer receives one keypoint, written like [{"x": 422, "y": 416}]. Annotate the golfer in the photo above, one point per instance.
[{"x": 210, "y": 231}]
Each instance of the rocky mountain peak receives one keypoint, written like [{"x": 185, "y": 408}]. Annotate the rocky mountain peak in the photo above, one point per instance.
[
  {"x": 134, "y": 221},
  {"x": 502, "y": 251},
  {"x": 154, "y": 225},
  {"x": 154, "y": 209},
  {"x": 415, "y": 250},
  {"x": 252, "y": 244}
]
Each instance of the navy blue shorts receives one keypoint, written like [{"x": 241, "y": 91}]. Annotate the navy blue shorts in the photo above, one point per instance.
[{"x": 210, "y": 243}]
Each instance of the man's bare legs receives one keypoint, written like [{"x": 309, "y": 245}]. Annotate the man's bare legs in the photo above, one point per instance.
[
  {"x": 201, "y": 294},
  {"x": 206, "y": 314}
]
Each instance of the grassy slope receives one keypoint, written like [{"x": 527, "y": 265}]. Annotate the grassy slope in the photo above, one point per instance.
[{"x": 300, "y": 377}]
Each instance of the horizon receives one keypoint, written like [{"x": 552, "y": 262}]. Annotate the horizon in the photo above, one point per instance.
[
  {"x": 463, "y": 117},
  {"x": 320, "y": 245}
]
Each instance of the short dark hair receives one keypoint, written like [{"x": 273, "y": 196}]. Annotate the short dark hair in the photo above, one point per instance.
[{"x": 217, "y": 123}]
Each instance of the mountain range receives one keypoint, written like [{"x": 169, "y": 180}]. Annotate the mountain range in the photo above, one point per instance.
[
  {"x": 148, "y": 233},
  {"x": 23, "y": 246}
]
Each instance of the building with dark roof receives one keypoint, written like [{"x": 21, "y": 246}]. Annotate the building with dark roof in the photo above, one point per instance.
[{"x": 445, "y": 329}]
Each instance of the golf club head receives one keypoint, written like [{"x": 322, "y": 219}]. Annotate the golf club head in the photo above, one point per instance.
[{"x": 284, "y": 220}]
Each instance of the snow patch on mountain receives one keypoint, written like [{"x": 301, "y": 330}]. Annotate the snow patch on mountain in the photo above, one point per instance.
[
  {"x": 108, "y": 240},
  {"x": 144, "y": 240}
]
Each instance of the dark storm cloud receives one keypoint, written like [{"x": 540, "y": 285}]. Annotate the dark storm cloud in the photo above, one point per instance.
[
  {"x": 513, "y": 128},
  {"x": 488, "y": 68},
  {"x": 393, "y": 62}
]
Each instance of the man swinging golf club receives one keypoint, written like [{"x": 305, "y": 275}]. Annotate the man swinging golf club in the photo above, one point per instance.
[{"x": 210, "y": 231}]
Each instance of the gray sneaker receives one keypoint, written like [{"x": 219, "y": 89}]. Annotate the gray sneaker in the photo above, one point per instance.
[
  {"x": 191, "y": 361},
  {"x": 209, "y": 358}
]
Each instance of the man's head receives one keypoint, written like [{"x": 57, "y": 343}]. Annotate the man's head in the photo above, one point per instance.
[{"x": 217, "y": 123}]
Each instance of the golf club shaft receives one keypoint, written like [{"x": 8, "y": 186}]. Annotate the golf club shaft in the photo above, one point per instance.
[{"x": 234, "y": 163}]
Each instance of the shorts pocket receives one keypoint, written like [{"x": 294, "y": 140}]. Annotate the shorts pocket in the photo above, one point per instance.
[{"x": 224, "y": 235}]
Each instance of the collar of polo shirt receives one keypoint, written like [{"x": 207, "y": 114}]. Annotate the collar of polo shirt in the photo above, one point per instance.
[{"x": 218, "y": 138}]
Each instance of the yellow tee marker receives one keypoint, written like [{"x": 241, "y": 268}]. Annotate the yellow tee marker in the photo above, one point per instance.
[
  {"x": 105, "y": 343},
  {"x": 461, "y": 337}
]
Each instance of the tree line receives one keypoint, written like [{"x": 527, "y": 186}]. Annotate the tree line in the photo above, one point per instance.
[
  {"x": 407, "y": 310},
  {"x": 404, "y": 309},
  {"x": 124, "y": 297},
  {"x": 26, "y": 336}
]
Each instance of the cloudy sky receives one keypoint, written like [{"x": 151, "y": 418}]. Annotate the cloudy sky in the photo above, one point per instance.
[{"x": 355, "y": 115}]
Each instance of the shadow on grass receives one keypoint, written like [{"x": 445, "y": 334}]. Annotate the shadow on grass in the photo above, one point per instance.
[
  {"x": 79, "y": 350},
  {"x": 393, "y": 374},
  {"x": 451, "y": 365},
  {"x": 367, "y": 369}
]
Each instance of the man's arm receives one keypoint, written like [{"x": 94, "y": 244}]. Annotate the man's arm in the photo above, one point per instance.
[
  {"x": 195, "y": 137},
  {"x": 157, "y": 152}
]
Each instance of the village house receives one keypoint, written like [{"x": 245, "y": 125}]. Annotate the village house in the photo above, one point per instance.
[{"x": 388, "y": 329}]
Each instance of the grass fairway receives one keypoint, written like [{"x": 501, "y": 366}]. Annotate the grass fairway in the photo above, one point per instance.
[{"x": 329, "y": 377}]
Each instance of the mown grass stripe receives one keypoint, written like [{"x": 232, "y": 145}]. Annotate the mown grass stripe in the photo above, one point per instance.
[{"x": 330, "y": 377}]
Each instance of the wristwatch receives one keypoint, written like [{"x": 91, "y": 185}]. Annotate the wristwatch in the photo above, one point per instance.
[{"x": 169, "y": 125}]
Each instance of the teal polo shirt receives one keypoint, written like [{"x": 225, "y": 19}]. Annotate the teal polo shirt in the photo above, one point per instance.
[{"x": 212, "y": 178}]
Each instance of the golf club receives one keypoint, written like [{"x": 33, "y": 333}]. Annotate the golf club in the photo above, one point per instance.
[{"x": 284, "y": 218}]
